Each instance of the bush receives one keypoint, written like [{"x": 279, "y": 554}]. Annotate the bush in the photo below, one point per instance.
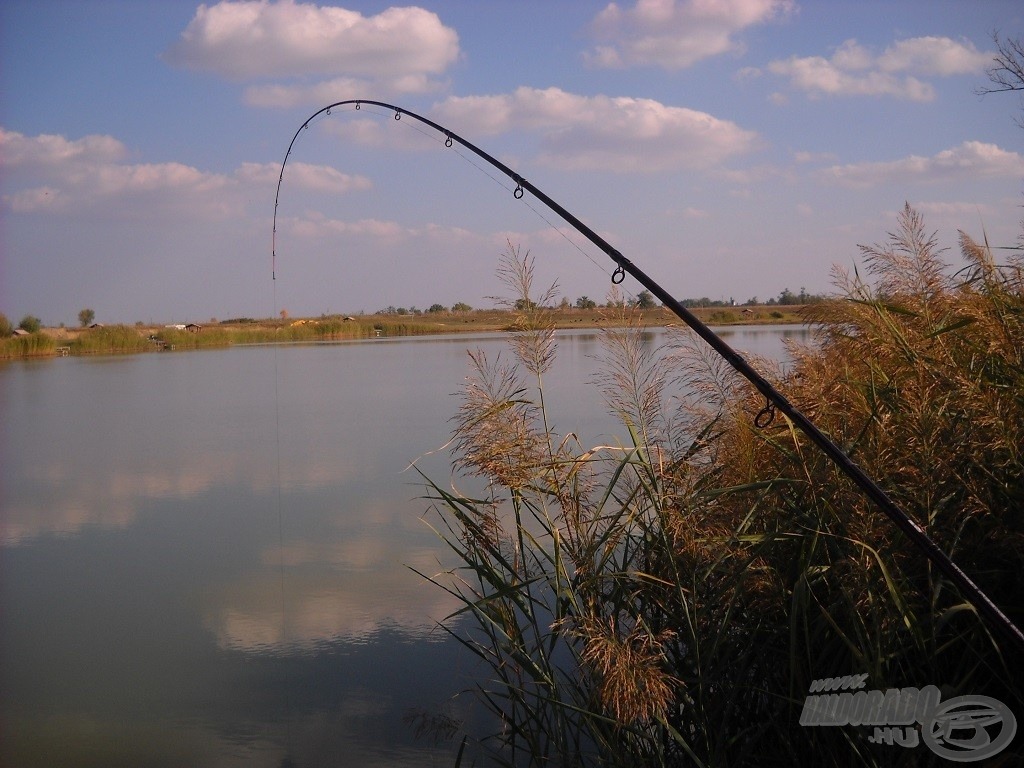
[
  {"x": 670, "y": 601},
  {"x": 31, "y": 324}
]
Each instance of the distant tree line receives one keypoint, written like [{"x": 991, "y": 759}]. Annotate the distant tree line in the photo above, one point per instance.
[
  {"x": 643, "y": 300},
  {"x": 785, "y": 298}
]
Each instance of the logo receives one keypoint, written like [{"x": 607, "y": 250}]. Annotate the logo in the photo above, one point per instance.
[{"x": 962, "y": 729}]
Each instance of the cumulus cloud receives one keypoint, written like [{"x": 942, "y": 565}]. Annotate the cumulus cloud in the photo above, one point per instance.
[
  {"x": 934, "y": 56},
  {"x": 399, "y": 50},
  {"x": 18, "y": 150},
  {"x": 854, "y": 70},
  {"x": 319, "y": 178},
  {"x": 340, "y": 88},
  {"x": 675, "y": 34},
  {"x": 54, "y": 174},
  {"x": 601, "y": 132},
  {"x": 972, "y": 160}
]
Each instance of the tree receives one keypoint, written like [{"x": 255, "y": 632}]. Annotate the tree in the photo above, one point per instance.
[
  {"x": 284, "y": 314},
  {"x": 1007, "y": 70},
  {"x": 31, "y": 324},
  {"x": 644, "y": 300},
  {"x": 461, "y": 306},
  {"x": 585, "y": 302},
  {"x": 435, "y": 308},
  {"x": 85, "y": 317},
  {"x": 5, "y": 326}
]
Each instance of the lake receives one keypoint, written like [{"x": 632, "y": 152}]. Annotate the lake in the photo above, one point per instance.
[{"x": 205, "y": 557}]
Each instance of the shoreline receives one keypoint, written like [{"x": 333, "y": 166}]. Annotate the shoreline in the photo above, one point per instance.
[{"x": 143, "y": 338}]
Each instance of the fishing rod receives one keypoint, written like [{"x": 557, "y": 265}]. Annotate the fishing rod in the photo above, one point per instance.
[{"x": 774, "y": 400}]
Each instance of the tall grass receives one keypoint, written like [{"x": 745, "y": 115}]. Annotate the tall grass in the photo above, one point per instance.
[
  {"x": 33, "y": 345},
  {"x": 116, "y": 339},
  {"x": 110, "y": 339},
  {"x": 330, "y": 329},
  {"x": 669, "y": 601}
]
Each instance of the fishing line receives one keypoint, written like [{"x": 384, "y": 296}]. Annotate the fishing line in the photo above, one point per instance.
[
  {"x": 289, "y": 703},
  {"x": 775, "y": 400},
  {"x": 449, "y": 144}
]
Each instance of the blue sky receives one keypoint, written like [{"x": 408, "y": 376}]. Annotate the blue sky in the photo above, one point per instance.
[{"x": 730, "y": 148}]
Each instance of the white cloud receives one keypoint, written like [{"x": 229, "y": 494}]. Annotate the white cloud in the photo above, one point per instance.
[
  {"x": 970, "y": 161},
  {"x": 934, "y": 55},
  {"x": 338, "y": 89},
  {"x": 397, "y": 51},
  {"x": 18, "y": 150},
  {"x": 854, "y": 70},
  {"x": 265, "y": 39},
  {"x": 675, "y": 34},
  {"x": 319, "y": 178},
  {"x": 32, "y": 200},
  {"x": 54, "y": 174},
  {"x": 601, "y": 132},
  {"x": 313, "y": 225}
]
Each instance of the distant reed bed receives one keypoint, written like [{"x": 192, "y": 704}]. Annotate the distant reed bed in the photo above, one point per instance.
[
  {"x": 125, "y": 339},
  {"x": 31, "y": 345},
  {"x": 329, "y": 329},
  {"x": 111, "y": 339},
  {"x": 670, "y": 600}
]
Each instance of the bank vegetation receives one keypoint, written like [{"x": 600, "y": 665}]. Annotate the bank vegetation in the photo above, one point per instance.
[
  {"x": 124, "y": 339},
  {"x": 671, "y": 599}
]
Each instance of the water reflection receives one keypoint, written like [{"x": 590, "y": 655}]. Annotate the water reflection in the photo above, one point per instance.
[{"x": 206, "y": 563}]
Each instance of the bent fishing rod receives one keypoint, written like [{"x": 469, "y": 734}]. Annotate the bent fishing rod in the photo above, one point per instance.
[{"x": 774, "y": 400}]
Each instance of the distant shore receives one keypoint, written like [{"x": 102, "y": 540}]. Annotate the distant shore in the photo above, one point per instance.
[{"x": 138, "y": 338}]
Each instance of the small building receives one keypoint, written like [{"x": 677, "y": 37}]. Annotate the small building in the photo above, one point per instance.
[
  {"x": 20, "y": 332},
  {"x": 193, "y": 328}
]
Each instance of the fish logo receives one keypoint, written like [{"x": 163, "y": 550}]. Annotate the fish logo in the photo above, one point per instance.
[{"x": 968, "y": 728}]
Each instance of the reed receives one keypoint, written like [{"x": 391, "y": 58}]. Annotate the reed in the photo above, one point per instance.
[
  {"x": 668, "y": 601},
  {"x": 33, "y": 345},
  {"x": 111, "y": 339}
]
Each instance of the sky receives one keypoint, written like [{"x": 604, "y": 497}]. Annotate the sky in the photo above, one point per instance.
[{"x": 729, "y": 148}]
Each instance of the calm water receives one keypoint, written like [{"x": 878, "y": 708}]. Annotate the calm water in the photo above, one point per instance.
[{"x": 204, "y": 556}]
